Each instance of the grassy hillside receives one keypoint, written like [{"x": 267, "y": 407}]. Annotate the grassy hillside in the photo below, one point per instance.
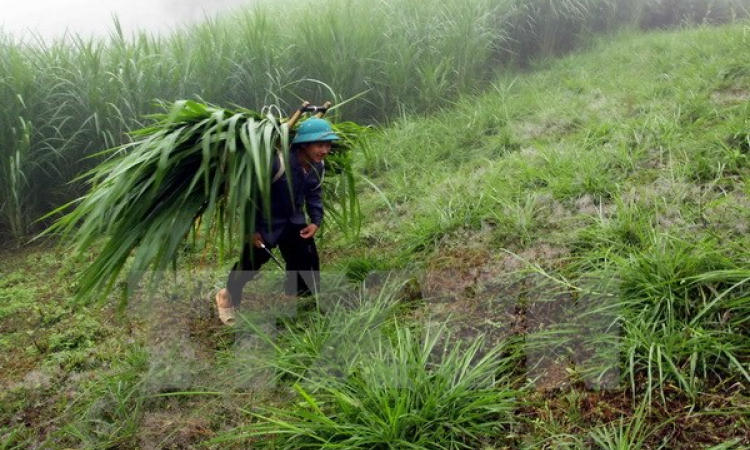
[
  {"x": 560, "y": 262},
  {"x": 67, "y": 100}
]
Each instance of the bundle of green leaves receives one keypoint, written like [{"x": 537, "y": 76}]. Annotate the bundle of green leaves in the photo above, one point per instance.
[{"x": 198, "y": 170}]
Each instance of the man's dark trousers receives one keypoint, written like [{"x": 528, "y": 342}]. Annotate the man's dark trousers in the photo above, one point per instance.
[{"x": 302, "y": 265}]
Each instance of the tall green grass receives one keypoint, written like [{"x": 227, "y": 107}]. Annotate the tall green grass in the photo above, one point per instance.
[{"x": 82, "y": 95}]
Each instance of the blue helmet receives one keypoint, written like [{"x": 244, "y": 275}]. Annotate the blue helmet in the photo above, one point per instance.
[{"x": 314, "y": 130}]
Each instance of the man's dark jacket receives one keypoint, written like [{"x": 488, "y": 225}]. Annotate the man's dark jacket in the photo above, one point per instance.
[{"x": 288, "y": 206}]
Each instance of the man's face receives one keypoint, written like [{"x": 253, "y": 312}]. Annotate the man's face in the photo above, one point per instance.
[{"x": 315, "y": 152}]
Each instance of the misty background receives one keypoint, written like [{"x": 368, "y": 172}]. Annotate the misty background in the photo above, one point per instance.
[{"x": 50, "y": 19}]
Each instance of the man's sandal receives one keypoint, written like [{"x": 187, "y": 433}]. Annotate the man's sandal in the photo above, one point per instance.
[{"x": 224, "y": 305}]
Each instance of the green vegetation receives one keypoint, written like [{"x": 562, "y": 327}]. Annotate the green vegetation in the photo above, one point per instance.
[
  {"x": 556, "y": 260},
  {"x": 64, "y": 101},
  {"x": 365, "y": 380},
  {"x": 198, "y": 170}
]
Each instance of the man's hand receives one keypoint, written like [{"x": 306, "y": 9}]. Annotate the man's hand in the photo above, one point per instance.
[
  {"x": 309, "y": 231},
  {"x": 258, "y": 241}
]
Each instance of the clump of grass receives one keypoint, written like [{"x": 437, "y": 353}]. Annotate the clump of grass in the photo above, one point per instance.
[
  {"x": 359, "y": 269},
  {"x": 670, "y": 313},
  {"x": 17, "y": 438},
  {"x": 661, "y": 274},
  {"x": 628, "y": 433},
  {"x": 331, "y": 338},
  {"x": 363, "y": 379},
  {"x": 109, "y": 413},
  {"x": 681, "y": 303},
  {"x": 406, "y": 391},
  {"x": 627, "y": 227}
]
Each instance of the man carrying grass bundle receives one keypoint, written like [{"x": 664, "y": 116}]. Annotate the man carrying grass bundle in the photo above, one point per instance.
[{"x": 286, "y": 226}]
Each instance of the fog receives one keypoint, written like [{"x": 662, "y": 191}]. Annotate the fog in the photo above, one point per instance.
[{"x": 48, "y": 19}]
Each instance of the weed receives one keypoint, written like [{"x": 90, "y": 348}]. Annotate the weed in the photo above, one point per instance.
[
  {"x": 110, "y": 412},
  {"x": 407, "y": 391},
  {"x": 15, "y": 438},
  {"x": 627, "y": 434}
]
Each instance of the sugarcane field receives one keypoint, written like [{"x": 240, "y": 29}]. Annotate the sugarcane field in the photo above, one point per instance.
[{"x": 405, "y": 224}]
